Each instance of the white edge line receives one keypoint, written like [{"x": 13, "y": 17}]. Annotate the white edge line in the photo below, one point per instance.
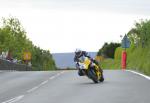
[
  {"x": 14, "y": 99},
  {"x": 145, "y": 76}
]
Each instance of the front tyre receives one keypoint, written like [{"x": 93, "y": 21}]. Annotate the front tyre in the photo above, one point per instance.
[{"x": 93, "y": 76}]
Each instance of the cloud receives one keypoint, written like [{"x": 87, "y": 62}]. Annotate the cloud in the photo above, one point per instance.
[
  {"x": 140, "y": 7},
  {"x": 62, "y": 26}
]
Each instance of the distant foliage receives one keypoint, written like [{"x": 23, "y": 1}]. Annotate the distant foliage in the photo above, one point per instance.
[
  {"x": 140, "y": 34},
  {"x": 108, "y": 50},
  {"x": 14, "y": 40},
  {"x": 139, "y": 52}
]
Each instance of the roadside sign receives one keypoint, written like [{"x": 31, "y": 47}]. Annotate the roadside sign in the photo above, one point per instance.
[
  {"x": 125, "y": 42},
  {"x": 26, "y": 56}
]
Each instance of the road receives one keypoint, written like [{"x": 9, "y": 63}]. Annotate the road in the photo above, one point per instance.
[{"x": 67, "y": 87}]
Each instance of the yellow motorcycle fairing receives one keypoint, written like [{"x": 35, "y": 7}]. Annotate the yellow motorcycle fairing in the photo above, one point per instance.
[
  {"x": 98, "y": 73},
  {"x": 87, "y": 62}
]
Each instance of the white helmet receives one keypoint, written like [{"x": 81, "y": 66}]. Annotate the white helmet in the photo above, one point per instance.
[{"x": 78, "y": 52}]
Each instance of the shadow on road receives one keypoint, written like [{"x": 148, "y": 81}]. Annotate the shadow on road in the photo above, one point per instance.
[{"x": 92, "y": 83}]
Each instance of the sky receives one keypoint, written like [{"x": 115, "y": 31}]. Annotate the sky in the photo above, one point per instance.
[{"x": 64, "y": 25}]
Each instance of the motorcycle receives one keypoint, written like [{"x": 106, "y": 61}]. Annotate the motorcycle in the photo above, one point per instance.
[{"x": 91, "y": 70}]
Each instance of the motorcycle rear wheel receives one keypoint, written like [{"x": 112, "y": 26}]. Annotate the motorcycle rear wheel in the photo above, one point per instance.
[{"x": 101, "y": 78}]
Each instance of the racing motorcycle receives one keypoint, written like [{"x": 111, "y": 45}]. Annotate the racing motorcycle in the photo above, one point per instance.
[{"x": 91, "y": 70}]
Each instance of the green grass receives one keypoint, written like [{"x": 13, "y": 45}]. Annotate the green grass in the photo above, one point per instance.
[
  {"x": 138, "y": 59},
  {"x": 108, "y": 64},
  {"x": 138, "y": 55}
]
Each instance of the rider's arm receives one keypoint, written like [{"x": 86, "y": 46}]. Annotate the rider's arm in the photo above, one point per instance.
[
  {"x": 86, "y": 54},
  {"x": 76, "y": 59}
]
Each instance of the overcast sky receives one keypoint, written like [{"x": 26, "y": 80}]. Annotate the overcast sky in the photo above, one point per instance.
[{"x": 64, "y": 25}]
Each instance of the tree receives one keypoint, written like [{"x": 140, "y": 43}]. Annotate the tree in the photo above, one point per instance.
[
  {"x": 14, "y": 40},
  {"x": 108, "y": 50},
  {"x": 140, "y": 33}
]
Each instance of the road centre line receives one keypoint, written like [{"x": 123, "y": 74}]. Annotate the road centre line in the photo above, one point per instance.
[
  {"x": 52, "y": 77},
  {"x": 38, "y": 86},
  {"x": 62, "y": 72},
  {"x": 44, "y": 82},
  {"x": 58, "y": 74},
  {"x": 14, "y": 99},
  {"x": 33, "y": 89},
  {"x": 145, "y": 76}
]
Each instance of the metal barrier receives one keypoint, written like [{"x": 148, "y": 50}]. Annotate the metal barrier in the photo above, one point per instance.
[{"x": 7, "y": 65}]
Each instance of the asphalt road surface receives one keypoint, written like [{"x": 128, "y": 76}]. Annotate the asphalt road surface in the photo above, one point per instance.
[{"x": 67, "y": 87}]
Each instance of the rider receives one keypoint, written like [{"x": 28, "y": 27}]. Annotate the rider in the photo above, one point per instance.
[{"x": 79, "y": 54}]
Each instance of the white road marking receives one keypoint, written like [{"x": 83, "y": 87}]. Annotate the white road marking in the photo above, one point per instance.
[
  {"x": 14, "y": 99},
  {"x": 62, "y": 72},
  {"x": 52, "y": 77},
  {"x": 44, "y": 82},
  {"x": 145, "y": 76},
  {"x": 58, "y": 74},
  {"x": 33, "y": 89},
  {"x": 36, "y": 87}
]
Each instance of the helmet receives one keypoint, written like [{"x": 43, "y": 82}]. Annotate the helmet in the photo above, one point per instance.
[{"x": 78, "y": 52}]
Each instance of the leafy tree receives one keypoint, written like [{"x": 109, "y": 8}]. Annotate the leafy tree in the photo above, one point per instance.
[
  {"x": 14, "y": 40},
  {"x": 140, "y": 33},
  {"x": 108, "y": 50}
]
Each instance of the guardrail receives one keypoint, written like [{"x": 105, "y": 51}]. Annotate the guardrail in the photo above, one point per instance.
[{"x": 7, "y": 65}]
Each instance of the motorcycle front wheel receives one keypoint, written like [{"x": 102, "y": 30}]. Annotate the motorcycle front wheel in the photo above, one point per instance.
[{"x": 92, "y": 75}]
